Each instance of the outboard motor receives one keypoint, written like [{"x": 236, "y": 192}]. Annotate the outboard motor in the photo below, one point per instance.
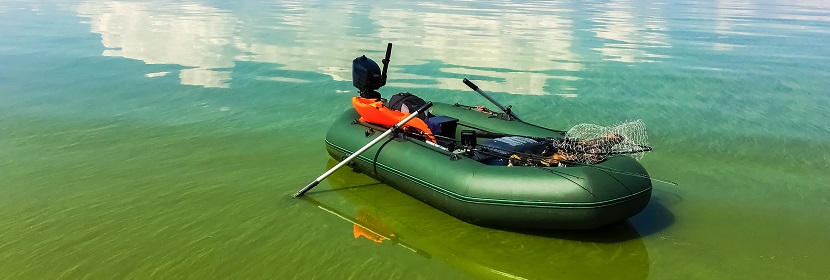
[{"x": 367, "y": 76}]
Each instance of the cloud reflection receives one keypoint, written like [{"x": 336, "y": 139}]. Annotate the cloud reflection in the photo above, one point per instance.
[
  {"x": 517, "y": 51},
  {"x": 629, "y": 38},
  {"x": 807, "y": 10},
  {"x": 728, "y": 15},
  {"x": 190, "y": 35},
  {"x": 520, "y": 48}
]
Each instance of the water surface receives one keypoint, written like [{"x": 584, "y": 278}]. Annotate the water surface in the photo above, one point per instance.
[{"x": 163, "y": 139}]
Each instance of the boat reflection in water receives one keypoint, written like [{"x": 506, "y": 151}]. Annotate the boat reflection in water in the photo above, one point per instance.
[{"x": 382, "y": 214}]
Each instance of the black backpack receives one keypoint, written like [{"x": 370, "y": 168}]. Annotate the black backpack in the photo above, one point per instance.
[{"x": 407, "y": 102}]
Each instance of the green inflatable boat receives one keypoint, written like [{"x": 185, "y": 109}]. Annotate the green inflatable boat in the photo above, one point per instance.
[{"x": 485, "y": 167}]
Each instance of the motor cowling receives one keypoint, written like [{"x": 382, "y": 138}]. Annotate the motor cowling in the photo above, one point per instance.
[{"x": 366, "y": 76}]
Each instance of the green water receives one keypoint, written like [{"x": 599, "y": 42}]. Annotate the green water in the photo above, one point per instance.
[{"x": 163, "y": 139}]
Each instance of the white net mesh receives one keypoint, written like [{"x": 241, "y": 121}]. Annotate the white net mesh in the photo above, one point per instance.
[{"x": 591, "y": 143}]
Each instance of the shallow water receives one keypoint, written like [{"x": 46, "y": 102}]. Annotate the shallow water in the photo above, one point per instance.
[{"x": 163, "y": 139}]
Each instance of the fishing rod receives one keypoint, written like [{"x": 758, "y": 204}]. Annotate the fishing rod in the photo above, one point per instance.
[
  {"x": 556, "y": 143},
  {"x": 622, "y": 172},
  {"x": 561, "y": 143},
  {"x": 529, "y": 159}
]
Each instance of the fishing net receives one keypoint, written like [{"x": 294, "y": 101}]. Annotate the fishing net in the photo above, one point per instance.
[{"x": 591, "y": 143}]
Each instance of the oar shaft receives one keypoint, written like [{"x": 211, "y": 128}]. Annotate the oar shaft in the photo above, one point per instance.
[
  {"x": 484, "y": 94},
  {"x": 344, "y": 162},
  {"x": 361, "y": 150}
]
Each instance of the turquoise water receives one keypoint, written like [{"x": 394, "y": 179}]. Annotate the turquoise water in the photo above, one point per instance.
[{"x": 164, "y": 139}]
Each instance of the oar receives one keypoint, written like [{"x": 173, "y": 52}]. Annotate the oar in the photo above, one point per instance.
[
  {"x": 507, "y": 110},
  {"x": 361, "y": 150}
]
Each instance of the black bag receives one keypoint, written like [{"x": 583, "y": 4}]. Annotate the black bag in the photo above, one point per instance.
[{"x": 407, "y": 102}]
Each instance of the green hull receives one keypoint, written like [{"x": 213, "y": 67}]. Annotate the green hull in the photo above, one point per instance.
[{"x": 578, "y": 197}]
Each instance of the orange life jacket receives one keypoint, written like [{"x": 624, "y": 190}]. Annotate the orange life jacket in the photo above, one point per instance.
[{"x": 373, "y": 111}]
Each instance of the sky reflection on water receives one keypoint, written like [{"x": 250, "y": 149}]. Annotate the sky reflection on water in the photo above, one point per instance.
[
  {"x": 734, "y": 93},
  {"x": 520, "y": 48}
]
